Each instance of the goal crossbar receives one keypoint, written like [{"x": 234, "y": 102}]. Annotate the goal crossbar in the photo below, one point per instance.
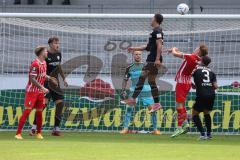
[{"x": 94, "y": 15}]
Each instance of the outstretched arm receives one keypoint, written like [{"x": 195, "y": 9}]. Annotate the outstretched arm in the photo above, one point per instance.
[
  {"x": 140, "y": 48},
  {"x": 175, "y": 52}
]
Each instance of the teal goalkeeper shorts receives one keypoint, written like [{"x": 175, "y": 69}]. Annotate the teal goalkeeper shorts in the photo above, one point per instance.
[{"x": 145, "y": 101}]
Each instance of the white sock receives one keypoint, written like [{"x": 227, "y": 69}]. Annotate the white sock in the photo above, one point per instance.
[
  {"x": 34, "y": 126},
  {"x": 56, "y": 129}
]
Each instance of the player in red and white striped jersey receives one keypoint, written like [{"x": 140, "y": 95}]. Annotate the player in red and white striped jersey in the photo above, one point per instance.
[
  {"x": 35, "y": 90},
  {"x": 183, "y": 83},
  {"x": 37, "y": 69}
]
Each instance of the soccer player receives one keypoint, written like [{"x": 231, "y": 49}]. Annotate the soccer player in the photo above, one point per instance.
[
  {"x": 183, "y": 83},
  {"x": 35, "y": 91},
  {"x": 205, "y": 83},
  {"x": 154, "y": 60},
  {"x": 54, "y": 69},
  {"x": 133, "y": 72}
]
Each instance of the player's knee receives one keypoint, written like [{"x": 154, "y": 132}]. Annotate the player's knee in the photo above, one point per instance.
[
  {"x": 194, "y": 112},
  {"x": 28, "y": 108},
  {"x": 39, "y": 109},
  {"x": 58, "y": 101},
  {"x": 206, "y": 112},
  {"x": 150, "y": 108},
  {"x": 152, "y": 83},
  {"x": 179, "y": 105}
]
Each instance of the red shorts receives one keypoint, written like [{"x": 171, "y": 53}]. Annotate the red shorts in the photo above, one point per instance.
[
  {"x": 34, "y": 100},
  {"x": 182, "y": 91}
]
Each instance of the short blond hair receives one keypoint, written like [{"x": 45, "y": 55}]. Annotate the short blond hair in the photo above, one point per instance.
[{"x": 39, "y": 49}]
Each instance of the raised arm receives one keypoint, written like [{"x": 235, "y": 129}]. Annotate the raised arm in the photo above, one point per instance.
[{"x": 175, "y": 52}]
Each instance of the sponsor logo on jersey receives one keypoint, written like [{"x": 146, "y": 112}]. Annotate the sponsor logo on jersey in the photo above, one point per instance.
[{"x": 54, "y": 63}]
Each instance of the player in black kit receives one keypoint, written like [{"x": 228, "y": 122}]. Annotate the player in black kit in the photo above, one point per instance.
[
  {"x": 205, "y": 83},
  {"x": 55, "y": 93},
  {"x": 154, "y": 61}
]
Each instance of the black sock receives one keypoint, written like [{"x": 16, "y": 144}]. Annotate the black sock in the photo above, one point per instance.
[
  {"x": 208, "y": 123},
  {"x": 198, "y": 123},
  {"x": 154, "y": 90},
  {"x": 58, "y": 114},
  {"x": 35, "y": 121}
]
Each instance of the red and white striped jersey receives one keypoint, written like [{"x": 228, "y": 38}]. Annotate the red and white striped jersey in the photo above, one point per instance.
[
  {"x": 37, "y": 69},
  {"x": 185, "y": 70}
]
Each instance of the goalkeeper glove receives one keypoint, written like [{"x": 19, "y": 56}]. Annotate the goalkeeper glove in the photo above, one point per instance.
[{"x": 123, "y": 95}]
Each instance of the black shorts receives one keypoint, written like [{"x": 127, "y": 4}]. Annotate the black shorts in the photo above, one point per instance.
[
  {"x": 151, "y": 68},
  {"x": 204, "y": 103},
  {"x": 54, "y": 93}
]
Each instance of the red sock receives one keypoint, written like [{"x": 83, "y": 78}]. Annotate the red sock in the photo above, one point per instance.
[
  {"x": 39, "y": 121},
  {"x": 23, "y": 120},
  {"x": 182, "y": 116}
]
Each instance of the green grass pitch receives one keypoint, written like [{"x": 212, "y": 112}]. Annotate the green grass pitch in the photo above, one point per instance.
[{"x": 113, "y": 146}]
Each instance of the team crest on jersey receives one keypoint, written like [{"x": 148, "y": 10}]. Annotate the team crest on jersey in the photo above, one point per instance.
[
  {"x": 33, "y": 68},
  {"x": 30, "y": 102},
  {"x": 58, "y": 57}
]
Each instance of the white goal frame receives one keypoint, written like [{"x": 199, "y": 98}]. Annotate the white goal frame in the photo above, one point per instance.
[{"x": 96, "y": 15}]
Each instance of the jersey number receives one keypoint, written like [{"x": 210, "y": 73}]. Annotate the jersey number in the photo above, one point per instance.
[{"x": 206, "y": 78}]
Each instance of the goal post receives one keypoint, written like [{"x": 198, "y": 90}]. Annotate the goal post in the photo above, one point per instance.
[{"x": 94, "y": 54}]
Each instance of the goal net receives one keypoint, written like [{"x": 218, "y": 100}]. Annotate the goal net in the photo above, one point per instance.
[{"x": 94, "y": 54}]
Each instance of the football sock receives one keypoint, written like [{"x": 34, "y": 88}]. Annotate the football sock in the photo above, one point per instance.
[
  {"x": 208, "y": 123},
  {"x": 35, "y": 122},
  {"x": 198, "y": 123},
  {"x": 154, "y": 120},
  {"x": 39, "y": 121},
  {"x": 127, "y": 116},
  {"x": 154, "y": 90},
  {"x": 22, "y": 120},
  {"x": 139, "y": 85},
  {"x": 185, "y": 116},
  {"x": 182, "y": 115},
  {"x": 34, "y": 126},
  {"x": 58, "y": 114}
]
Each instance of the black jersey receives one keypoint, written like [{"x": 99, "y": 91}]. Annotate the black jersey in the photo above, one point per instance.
[
  {"x": 152, "y": 46},
  {"x": 53, "y": 61},
  {"x": 204, "y": 79}
]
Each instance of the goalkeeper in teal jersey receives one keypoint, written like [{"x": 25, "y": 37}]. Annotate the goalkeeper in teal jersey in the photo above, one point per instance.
[{"x": 133, "y": 73}]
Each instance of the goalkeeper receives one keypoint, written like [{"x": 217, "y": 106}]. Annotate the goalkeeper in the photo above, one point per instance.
[{"x": 133, "y": 72}]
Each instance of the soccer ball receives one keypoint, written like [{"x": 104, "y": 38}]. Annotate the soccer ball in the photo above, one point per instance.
[{"x": 182, "y": 8}]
